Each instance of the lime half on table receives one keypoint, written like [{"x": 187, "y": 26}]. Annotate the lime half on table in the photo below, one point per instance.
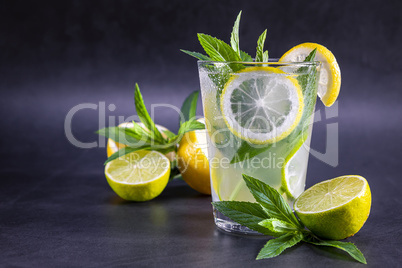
[
  {"x": 337, "y": 208},
  {"x": 138, "y": 176}
]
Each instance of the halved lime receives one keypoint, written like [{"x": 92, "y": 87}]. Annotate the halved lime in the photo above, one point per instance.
[
  {"x": 261, "y": 104},
  {"x": 337, "y": 208},
  {"x": 138, "y": 176}
]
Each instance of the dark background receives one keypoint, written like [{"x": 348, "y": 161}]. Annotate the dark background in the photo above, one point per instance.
[{"x": 55, "y": 205}]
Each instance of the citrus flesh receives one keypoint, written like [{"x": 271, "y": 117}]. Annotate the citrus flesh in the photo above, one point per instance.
[
  {"x": 330, "y": 75},
  {"x": 261, "y": 104},
  {"x": 293, "y": 169},
  {"x": 335, "y": 209},
  {"x": 193, "y": 162},
  {"x": 138, "y": 176}
]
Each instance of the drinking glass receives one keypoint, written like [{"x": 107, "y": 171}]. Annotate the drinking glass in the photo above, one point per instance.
[{"x": 258, "y": 117}]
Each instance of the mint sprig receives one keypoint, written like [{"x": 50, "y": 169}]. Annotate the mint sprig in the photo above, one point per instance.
[
  {"x": 148, "y": 136},
  {"x": 218, "y": 50},
  {"x": 271, "y": 215}
]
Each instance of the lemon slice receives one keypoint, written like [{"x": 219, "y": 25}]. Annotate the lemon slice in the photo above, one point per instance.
[
  {"x": 261, "y": 104},
  {"x": 337, "y": 208},
  {"x": 138, "y": 176},
  {"x": 330, "y": 75}
]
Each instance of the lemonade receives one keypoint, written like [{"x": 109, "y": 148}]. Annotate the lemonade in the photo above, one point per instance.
[{"x": 259, "y": 119}]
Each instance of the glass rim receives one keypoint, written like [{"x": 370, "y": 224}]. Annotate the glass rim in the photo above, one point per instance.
[{"x": 272, "y": 61}]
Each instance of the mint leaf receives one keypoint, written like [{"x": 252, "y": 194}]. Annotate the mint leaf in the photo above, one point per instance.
[
  {"x": 190, "y": 126},
  {"x": 278, "y": 227},
  {"x": 124, "y": 151},
  {"x": 244, "y": 213},
  {"x": 234, "y": 37},
  {"x": 247, "y": 151},
  {"x": 118, "y": 134},
  {"x": 348, "y": 247},
  {"x": 271, "y": 201},
  {"x": 261, "y": 56},
  {"x": 140, "y": 133},
  {"x": 189, "y": 107},
  {"x": 245, "y": 57},
  {"x": 144, "y": 116},
  {"x": 311, "y": 56},
  {"x": 265, "y": 57},
  {"x": 276, "y": 246},
  {"x": 196, "y": 55},
  {"x": 169, "y": 133},
  {"x": 217, "y": 49}
]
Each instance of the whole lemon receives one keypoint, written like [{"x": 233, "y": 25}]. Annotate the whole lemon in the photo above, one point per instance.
[{"x": 192, "y": 159}]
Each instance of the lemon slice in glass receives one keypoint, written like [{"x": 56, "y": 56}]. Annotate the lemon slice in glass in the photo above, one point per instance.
[
  {"x": 138, "y": 176},
  {"x": 330, "y": 75},
  {"x": 337, "y": 208},
  {"x": 261, "y": 104}
]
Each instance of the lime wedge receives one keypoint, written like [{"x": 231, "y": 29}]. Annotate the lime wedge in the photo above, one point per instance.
[
  {"x": 261, "y": 104},
  {"x": 294, "y": 170},
  {"x": 138, "y": 176},
  {"x": 337, "y": 208}
]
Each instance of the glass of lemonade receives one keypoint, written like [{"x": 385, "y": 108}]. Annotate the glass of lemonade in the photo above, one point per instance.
[{"x": 259, "y": 119}]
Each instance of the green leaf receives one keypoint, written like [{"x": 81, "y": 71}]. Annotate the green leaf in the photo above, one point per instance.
[
  {"x": 118, "y": 134},
  {"x": 247, "y": 151},
  {"x": 245, "y": 57},
  {"x": 190, "y": 126},
  {"x": 277, "y": 226},
  {"x": 265, "y": 57},
  {"x": 217, "y": 49},
  {"x": 196, "y": 55},
  {"x": 234, "y": 37},
  {"x": 139, "y": 132},
  {"x": 189, "y": 107},
  {"x": 276, "y": 246},
  {"x": 311, "y": 56},
  {"x": 169, "y": 133},
  {"x": 144, "y": 116},
  {"x": 124, "y": 151},
  {"x": 259, "y": 57},
  {"x": 245, "y": 213},
  {"x": 271, "y": 201},
  {"x": 348, "y": 247}
]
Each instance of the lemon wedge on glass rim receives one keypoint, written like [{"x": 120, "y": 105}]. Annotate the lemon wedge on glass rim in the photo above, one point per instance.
[
  {"x": 329, "y": 82},
  {"x": 260, "y": 105}
]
